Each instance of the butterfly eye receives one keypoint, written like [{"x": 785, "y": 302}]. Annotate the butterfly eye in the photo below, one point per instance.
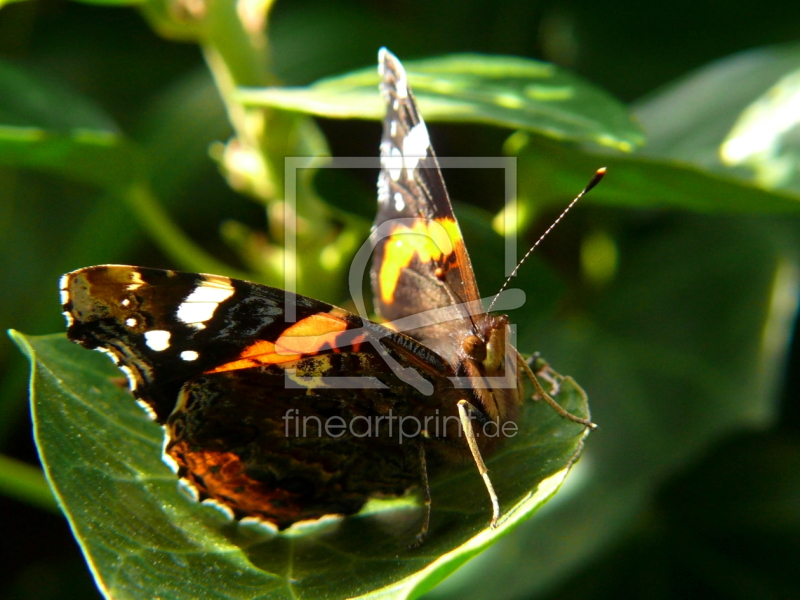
[{"x": 474, "y": 347}]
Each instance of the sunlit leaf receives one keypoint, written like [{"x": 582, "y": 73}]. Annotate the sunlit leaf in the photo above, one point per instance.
[
  {"x": 762, "y": 136},
  {"x": 551, "y": 174},
  {"x": 505, "y": 91},
  {"x": 691, "y": 119}
]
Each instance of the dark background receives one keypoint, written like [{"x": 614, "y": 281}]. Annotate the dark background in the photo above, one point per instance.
[{"x": 630, "y": 48}]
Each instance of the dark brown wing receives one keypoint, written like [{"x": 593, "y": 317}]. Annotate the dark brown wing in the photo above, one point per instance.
[
  {"x": 420, "y": 261},
  {"x": 245, "y": 397}
]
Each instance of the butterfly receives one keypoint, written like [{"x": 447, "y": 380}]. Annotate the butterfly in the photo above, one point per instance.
[{"x": 284, "y": 408}]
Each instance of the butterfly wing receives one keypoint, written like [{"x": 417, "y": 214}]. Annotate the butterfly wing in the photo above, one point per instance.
[
  {"x": 420, "y": 261},
  {"x": 245, "y": 396}
]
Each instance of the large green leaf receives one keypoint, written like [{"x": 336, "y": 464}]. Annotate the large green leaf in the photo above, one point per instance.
[
  {"x": 687, "y": 124},
  {"x": 102, "y": 457},
  {"x": 506, "y": 91}
]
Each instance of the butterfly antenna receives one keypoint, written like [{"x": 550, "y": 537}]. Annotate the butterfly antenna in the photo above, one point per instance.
[{"x": 595, "y": 180}]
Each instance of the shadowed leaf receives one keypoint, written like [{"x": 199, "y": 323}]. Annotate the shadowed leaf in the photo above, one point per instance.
[
  {"x": 102, "y": 457},
  {"x": 45, "y": 126}
]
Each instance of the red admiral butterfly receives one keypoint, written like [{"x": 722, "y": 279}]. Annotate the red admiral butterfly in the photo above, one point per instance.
[{"x": 217, "y": 363}]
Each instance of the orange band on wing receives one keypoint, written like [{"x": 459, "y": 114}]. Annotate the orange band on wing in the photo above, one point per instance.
[
  {"x": 430, "y": 240},
  {"x": 312, "y": 335},
  {"x": 256, "y": 354}
]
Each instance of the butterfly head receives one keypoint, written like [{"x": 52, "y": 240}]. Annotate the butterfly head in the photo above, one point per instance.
[{"x": 484, "y": 354}]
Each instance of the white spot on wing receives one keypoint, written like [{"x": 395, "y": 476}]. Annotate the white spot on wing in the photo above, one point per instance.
[
  {"x": 131, "y": 380},
  {"x": 394, "y": 164},
  {"x": 415, "y": 147},
  {"x": 393, "y": 128},
  {"x": 166, "y": 458},
  {"x": 383, "y": 188},
  {"x": 382, "y": 55},
  {"x": 399, "y": 203},
  {"x": 69, "y": 318},
  {"x": 157, "y": 340},
  {"x": 196, "y": 312},
  {"x": 125, "y": 302},
  {"x": 199, "y": 306},
  {"x": 326, "y": 523},
  {"x": 189, "y": 355},
  {"x": 402, "y": 83},
  {"x": 64, "y": 296},
  {"x": 171, "y": 463},
  {"x": 130, "y": 322},
  {"x": 259, "y": 526},
  {"x": 217, "y": 290}
]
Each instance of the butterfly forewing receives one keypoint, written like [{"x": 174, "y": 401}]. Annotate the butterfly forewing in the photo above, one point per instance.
[
  {"x": 420, "y": 261},
  {"x": 217, "y": 363}
]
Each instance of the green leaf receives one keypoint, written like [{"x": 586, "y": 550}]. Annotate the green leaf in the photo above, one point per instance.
[
  {"x": 28, "y": 99},
  {"x": 102, "y": 457},
  {"x": 551, "y": 174},
  {"x": 97, "y": 157},
  {"x": 48, "y": 127},
  {"x": 26, "y": 483},
  {"x": 505, "y": 91},
  {"x": 55, "y": 130},
  {"x": 687, "y": 124},
  {"x": 690, "y": 119}
]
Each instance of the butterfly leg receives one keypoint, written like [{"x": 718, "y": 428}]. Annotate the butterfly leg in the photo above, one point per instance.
[
  {"x": 426, "y": 520},
  {"x": 541, "y": 369},
  {"x": 464, "y": 408},
  {"x": 540, "y": 393}
]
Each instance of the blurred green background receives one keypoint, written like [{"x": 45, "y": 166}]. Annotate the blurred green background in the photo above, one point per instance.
[{"x": 670, "y": 294}]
